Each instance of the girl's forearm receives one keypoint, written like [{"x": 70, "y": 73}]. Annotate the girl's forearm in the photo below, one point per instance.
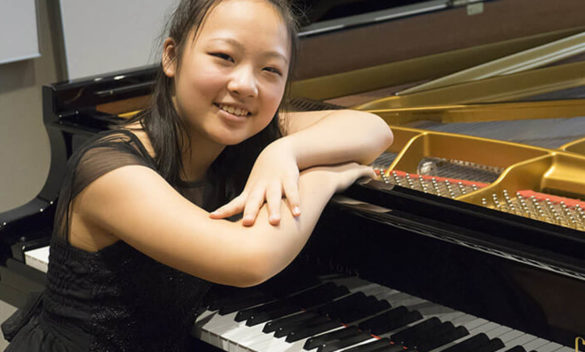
[
  {"x": 272, "y": 248},
  {"x": 342, "y": 136}
]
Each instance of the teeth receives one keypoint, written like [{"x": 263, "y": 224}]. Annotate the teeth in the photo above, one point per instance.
[{"x": 234, "y": 111}]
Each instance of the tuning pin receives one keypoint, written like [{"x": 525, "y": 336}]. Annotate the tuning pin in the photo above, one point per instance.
[
  {"x": 509, "y": 202},
  {"x": 423, "y": 185},
  {"x": 523, "y": 205},
  {"x": 396, "y": 178},
  {"x": 449, "y": 189},
  {"x": 409, "y": 181},
  {"x": 496, "y": 201},
  {"x": 436, "y": 187},
  {"x": 462, "y": 189},
  {"x": 553, "y": 211},
  {"x": 539, "y": 210},
  {"x": 385, "y": 178},
  {"x": 569, "y": 215}
]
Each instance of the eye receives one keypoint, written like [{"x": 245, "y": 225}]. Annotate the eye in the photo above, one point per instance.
[
  {"x": 273, "y": 70},
  {"x": 223, "y": 56}
]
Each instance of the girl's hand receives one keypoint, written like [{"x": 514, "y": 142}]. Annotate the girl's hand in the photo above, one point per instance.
[
  {"x": 341, "y": 176},
  {"x": 275, "y": 174}
]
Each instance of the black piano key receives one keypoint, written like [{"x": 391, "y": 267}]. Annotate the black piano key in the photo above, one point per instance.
[
  {"x": 330, "y": 336},
  {"x": 268, "y": 307},
  {"x": 516, "y": 349},
  {"x": 470, "y": 344},
  {"x": 369, "y": 308},
  {"x": 308, "y": 293},
  {"x": 348, "y": 341},
  {"x": 306, "y": 299},
  {"x": 347, "y": 313},
  {"x": 374, "y": 321},
  {"x": 404, "y": 335},
  {"x": 492, "y": 346},
  {"x": 235, "y": 297},
  {"x": 311, "y": 305},
  {"x": 333, "y": 308},
  {"x": 245, "y": 314},
  {"x": 290, "y": 320},
  {"x": 428, "y": 336},
  {"x": 391, "y": 320},
  {"x": 319, "y": 295},
  {"x": 390, "y": 348},
  {"x": 286, "y": 330},
  {"x": 443, "y": 339},
  {"x": 263, "y": 317},
  {"x": 370, "y": 346},
  {"x": 244, "y": 303},
  {"x": 311, "y": 330}
]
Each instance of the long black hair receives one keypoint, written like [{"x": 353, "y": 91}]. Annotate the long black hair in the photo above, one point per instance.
[{"x": 165, "y": 128}]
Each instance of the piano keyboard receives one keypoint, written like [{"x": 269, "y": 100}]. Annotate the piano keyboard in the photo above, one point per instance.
[
  {"x": 346, "y": 314},
  {"x": 352, "y": 315}
]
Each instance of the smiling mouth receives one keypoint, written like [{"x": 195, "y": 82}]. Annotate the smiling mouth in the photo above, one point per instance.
[{"x": 233, "y": 110}]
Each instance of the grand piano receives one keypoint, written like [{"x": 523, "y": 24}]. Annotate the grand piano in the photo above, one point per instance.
[{"x": 472, "y": 238}]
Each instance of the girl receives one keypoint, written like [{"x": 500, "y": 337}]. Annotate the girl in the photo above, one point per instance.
[{"x": 134, "y": 248}]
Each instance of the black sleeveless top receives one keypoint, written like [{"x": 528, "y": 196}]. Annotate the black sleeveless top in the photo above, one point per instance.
[{"x": 115, "y": 299}]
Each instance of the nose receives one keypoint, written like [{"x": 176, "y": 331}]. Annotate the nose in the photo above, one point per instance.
[{"x": 243, "y": 82}]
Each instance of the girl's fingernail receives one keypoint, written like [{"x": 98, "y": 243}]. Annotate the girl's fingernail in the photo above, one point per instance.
[{"x": 297, "y": 211}]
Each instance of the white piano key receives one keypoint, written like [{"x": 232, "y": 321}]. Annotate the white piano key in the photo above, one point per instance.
[
  {"x": 521, "y": 340},
  {"x": 554, "y": 347},
  {"x": 535, "y": 344},
  {"x": 511, "y": 335},
  {"x": 498, "y": 332},
  {"x": 475, "y": 324}
]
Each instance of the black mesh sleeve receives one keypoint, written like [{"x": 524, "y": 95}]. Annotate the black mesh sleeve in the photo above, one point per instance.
[{"x": 105, "y": 152}]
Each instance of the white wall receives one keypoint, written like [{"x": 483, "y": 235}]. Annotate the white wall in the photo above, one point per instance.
[
  {"x": 24, "y": 144},
  {"x": 18, "y": 30},
  {"x": 99, "y": 36},
  {"x": 111, "y": 35}
]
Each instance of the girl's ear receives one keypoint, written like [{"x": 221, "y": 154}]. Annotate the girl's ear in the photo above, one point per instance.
[{"x": 169, "y": 57}]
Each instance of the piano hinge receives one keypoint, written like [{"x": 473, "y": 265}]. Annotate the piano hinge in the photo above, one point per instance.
[
  {"x": 457, "y": 3},
  {"x": 474, "y": 7}
]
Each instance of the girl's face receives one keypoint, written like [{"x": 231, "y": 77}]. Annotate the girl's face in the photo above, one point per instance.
[{"x": 233, "y": 74}]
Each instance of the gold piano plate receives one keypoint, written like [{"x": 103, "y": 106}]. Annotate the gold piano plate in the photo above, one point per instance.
[
  {"x": 532, "y": 182},
  {"x": 497, "y": 89},
  {"x": 576, "y": 146},
  {"x": 485, "y": 112}
]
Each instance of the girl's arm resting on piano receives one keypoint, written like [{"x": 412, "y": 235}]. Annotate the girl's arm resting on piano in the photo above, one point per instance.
[
  {"x": 312, "y": 138},
  {"x": 136, "y": 205}
]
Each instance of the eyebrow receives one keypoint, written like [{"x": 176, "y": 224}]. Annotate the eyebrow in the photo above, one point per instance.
[{"x": 240, "y": 46}]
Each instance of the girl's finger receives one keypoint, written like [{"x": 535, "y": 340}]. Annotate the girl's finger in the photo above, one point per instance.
[
  {"x": 273, "y": 200},
  {"x": 253, "y": 204},
  {"x": 235, "y": 206},
  {"x": 368, "y": 171},
  {"x": 291, "y": 192}
]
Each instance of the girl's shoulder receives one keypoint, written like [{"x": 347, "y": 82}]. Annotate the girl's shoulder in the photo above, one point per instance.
[{"x": 107, "y": 151}]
